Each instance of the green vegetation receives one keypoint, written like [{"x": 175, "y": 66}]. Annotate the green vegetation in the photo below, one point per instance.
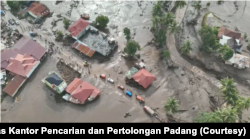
[
  {"x": 162, "y": 23},
  {"x": 126, "y": 32},
  {"x": 248, "y": 46},
  {"x": 209, "y": 41},
  {"x": 171, "y": 106},
  {"x": 204, "y": 20},
  {"x": 245, "y": 35},
  {"x": 102, "y": 21},
  {"x": 219, "y": 2},
  {"x": 15, "y": 5},
  {"x": 197, "y": 5},
  {"x": 131, "y": 48},
  {"x": 180, "y": 4},
  {"x": 186, "y": 48},
  {"x": 165, "y": 54},
  {"x": 66, "y": 23},
  {"x": 59, "y": 33},
  {"x": 208, "y": 4},
  {"x": 226, "y": 52},
  {"x": 231, "y": 113}
]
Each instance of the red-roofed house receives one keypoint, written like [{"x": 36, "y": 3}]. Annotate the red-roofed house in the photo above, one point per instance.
[
  {"x": 13, "y": 86},
  {"x": 38, "y": 10},
  {"x": 144, "y": 78},
  {"x": 79, "y": 28},
  {"x": 82, "y": 91},
  {"x": 22, "y": 65},
  {"x": 5, "y": 57}
]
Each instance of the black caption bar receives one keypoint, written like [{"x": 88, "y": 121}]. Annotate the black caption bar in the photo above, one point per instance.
[{"x": 124, "y": 129}]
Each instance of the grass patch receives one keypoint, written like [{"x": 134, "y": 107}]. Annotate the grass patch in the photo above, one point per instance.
[{"x": 204, "y": 20}]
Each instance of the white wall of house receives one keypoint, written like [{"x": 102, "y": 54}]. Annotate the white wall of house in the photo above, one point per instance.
[
  {"x": 83, "y": 32},
  {"x": 33, "y": 69},
  {"x": 32, "y": 14}
]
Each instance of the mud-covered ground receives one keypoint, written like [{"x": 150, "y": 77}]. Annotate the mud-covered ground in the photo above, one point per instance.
[
  {"x": 233, "y": 15},
  {"x": 39, "y": 104}
]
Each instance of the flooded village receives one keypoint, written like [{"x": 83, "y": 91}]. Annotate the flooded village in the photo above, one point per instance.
[{"x": 125, "y": 61}]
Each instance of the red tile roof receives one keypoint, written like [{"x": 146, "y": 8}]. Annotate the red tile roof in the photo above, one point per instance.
[
  {"x": 13, "y": 86},
  {"x": 84, "y": 49},
  {"x": 78, "y": 27},
  {"x": 27, "y": 46},
  {"x": 82, "y": 90},
  {"x": 6, "y": 55},
  {"x": 38, "y": 9},
  {"x": 144, "y": 78},
  {"x": 227, "y": 32},
  {"x": 21, "y": 64}
]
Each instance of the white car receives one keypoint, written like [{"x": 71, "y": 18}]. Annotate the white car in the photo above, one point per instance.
[{"x": 111, "y": 80}]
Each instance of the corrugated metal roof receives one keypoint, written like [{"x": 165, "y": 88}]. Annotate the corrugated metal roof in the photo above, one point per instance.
[
  {"x": 27, "y": 46},
  {"x": 84, "y": 49},
  {"x": 144, "y": 78},
  {"x": 224, "y": 31},
  {"x": 13, "y": 86},
  {"x": 78, "y": 27},
  {"x": 5, "y": 56},
  {"x": 81, "y": 90},
  {"x": 131, "y": 72},
  {"x": 38, "y": 9}
]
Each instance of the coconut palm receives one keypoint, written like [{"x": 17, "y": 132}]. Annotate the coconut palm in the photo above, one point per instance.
[
  {"x": 241, "y": 104},
  {"x": 173, "y": 27},
  {"x": 197, "y": 5},
  {"x": 168, "y": 18},
  {"x": 171, "y": 106},
  {"x": 155, "y": 21},
  {"x": 165, "y": 54},
  {"x": 227, "y": 115},
  {"x": 180, "y": 4},
  {"x": 186, "y": 48},
  {"x": 229, "y": 91},
  {"x": 157, "y": 10}
]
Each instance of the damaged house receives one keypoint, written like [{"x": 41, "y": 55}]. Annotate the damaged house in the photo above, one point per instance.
[{"x": 90, "y": 40}]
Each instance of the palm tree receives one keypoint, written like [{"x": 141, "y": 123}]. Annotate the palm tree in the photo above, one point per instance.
[
  {"x": 168, "y": 18},
  {"x": 241, "y": 104},
  {"x": 155, "y": 21},
  {"x": 197, "y": 5},
  {"x": 180, "y": 4},
  {"x": 157, "y": 10},
  {"x": 173, "y": 27},
  {"x": 229, "y": 91},
  {"x": 165, "y": 54},
  {"x": 227, "y": 115},
  {"x": 186, "y": 48},
  {"x": 171, "y": 106},
  {"x": 208, "y": 118}
]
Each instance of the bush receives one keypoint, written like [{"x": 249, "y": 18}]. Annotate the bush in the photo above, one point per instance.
[
  {"x": 208, "y": 4},
  {"x": 66, "y": 23},
  {"x": 126, "y": 32},
  {"x": 219, "y": 2},
  {"x": 59, "y": 33},
  {"x": 245, "y": 36}
]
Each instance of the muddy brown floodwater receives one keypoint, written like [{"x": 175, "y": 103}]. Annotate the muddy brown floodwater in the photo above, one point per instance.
[{"x": 37, "y": 103}]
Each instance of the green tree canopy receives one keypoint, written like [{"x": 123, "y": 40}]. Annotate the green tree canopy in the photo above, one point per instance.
[
  {"x": 186, "y": 47},
  {"x": 66, "y": 23},
  {"x": 165, "y": 54},
  {"x": 229, "y": 91},
  {"x": 126, "y": 32},
  {"x": 180, "y": 4},
  {"x": 209, "y": 42},
  {"x": 102, "y": 21},
  {"x": 197, "y": 5},
  {"x": 227, "y": 115},
  {"x": 171, "y": 106},
  {"x": 160, "y": 38},
  {"x": 157, "y": 11},
  {"x": 208, "y": 118},
  {"x": 226, "y": 52},
  {"x": 131, "y": 48}
]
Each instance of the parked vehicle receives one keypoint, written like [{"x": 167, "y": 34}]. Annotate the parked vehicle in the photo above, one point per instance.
[
  {"x": 111, "y": 80},
  {"x": 103, "y": 76},
  {"x": 17, "y": 22},
  {"x": 149, "y": 111},
  {"x": 129, "y": 93},
  {"x": 85, "y": 63},
  {"x": 121, "y": 87},
  {"x": 140, "y": 99},
  {"x": 11, "y": 22}
]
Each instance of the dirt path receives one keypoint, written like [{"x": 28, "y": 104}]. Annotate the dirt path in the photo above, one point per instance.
[{"x": 175, "y": 55}]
